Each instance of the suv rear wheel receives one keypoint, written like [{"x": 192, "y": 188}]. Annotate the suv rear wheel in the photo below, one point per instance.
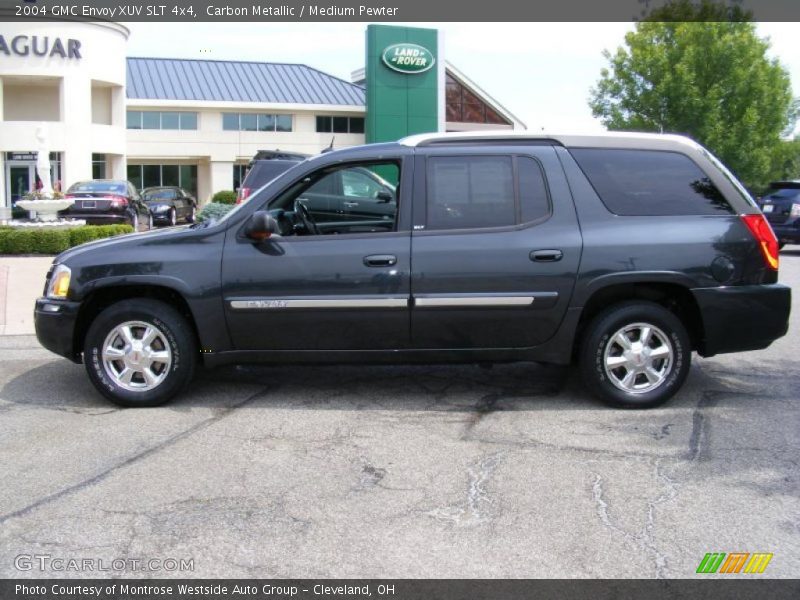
[
  {"x": 635, "y": 355},
  {"x": 140, "y": 352}
]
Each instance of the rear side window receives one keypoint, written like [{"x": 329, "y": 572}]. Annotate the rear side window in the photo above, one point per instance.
[
  {"x": 533, "y": 199},
  {"x": 471, "y": 192},
  {"x": 650, "y": 183}
]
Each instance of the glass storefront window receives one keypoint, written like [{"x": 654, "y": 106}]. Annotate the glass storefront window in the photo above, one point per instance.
[
  {"x": 151, "y": 120},
  {"x": 170, "y": 120},
  {"x": 135, "y": 176},
  {"x": 248, "y": 122},
  {"x": 134, "y": 119},
  {"x": 283, "y": 123},
  {"x": 188, "y": 120},
  {"x": 137, "y": 119},
  {"x": 340, "y": 124},
  {"x": 184, "y": 176},
  {"x": 266, "y": 122},
  {"x": 256, "y": 122},
  {"x": 151, "y": 175},
  {"x": 188, "y": 178},
  {"x": 170, "y": 175},
  {"x": 98, "y": 166},
  {"x": 356, "y": 125},
  {"x": 230, "y": 121}
]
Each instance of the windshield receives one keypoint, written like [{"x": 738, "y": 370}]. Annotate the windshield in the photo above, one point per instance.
[
  {"x": 784, "y": 194},
  {"x": 113, "y": 187},
  {"x": 254, "y": 196},
  {"x": 158, "y": 195}
]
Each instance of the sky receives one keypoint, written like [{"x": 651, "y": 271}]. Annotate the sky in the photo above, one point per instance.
[{"x": 541, "y": 72}]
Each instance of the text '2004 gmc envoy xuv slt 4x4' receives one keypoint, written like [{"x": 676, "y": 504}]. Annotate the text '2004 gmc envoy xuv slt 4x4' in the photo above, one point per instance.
[{"x": 623, "y": 253}]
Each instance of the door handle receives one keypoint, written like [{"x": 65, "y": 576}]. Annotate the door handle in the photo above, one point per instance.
[
  {"x": 546, "y": 255},
  {"x": 380, "y": 260},
  {"x": 350, "y": 204}
]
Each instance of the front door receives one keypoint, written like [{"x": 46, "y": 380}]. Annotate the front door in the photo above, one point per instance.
[
  {"x": 20, "y": 179},
  {"x": 320, "y": 286},
  {"x": 495, "y": 249}
]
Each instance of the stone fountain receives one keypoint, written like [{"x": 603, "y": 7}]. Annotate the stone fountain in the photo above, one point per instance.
[{"x": 44, "y": 204}]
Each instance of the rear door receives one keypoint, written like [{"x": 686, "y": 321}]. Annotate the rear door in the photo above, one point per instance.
[{"x": 495, "y": 247}]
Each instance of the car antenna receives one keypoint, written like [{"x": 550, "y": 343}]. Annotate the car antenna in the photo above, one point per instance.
[{"x": 329, "y": 148}]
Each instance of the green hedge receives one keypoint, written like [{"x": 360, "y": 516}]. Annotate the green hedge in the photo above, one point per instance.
[
  {"x": 224, "y": 197},
  {"x": 54, "y": 240},
  {"x": 214, "y": 210}
]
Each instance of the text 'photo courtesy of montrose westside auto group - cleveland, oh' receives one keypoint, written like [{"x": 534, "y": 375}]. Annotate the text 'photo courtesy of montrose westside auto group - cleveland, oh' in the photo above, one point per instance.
[{"x": 415, "y": 300}]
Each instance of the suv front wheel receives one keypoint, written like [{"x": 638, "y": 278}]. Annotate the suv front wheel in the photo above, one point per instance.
[
  {"x": 635, "y": 355},
  {"x": 140, "y": 352}
]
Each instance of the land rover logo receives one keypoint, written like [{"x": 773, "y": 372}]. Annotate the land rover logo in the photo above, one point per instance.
[{"x": 408, "y": 58}]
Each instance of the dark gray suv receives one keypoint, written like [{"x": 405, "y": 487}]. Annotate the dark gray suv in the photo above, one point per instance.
[{"x": 621, "y": 253}]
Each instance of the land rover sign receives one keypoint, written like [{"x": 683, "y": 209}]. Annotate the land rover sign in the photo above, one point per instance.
[{"x": 408, "y": 58}]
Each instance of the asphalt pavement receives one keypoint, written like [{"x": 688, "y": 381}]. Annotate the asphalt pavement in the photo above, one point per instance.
[{"x": 382, "y": 471}]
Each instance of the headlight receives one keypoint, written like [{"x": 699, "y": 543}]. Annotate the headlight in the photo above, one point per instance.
[
  {"x": 59, "y": 282},
  {"x": 795, "y": 210}
]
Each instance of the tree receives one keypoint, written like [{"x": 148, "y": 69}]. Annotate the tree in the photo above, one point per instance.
[{"x": 709, "y": 79}]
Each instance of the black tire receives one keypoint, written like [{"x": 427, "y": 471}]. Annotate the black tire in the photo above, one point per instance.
[
  {"x": 150, "y": 223},
  {"x": 666, "y": 330},
  {"x": 174, "y": 333},
  {"x": 173, "y": 217},
  {"x": 192, "y": 217},
  {"x": 135, "y": 222}
]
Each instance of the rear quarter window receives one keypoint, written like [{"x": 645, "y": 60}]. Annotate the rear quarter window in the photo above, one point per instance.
[{"x": 650, "y": 183}]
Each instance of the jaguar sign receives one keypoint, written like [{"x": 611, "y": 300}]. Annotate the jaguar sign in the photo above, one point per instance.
[{"x": 36, "y": 45}]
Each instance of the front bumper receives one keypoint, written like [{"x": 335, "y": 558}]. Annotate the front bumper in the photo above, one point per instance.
[
  {"x": 101, "y": 218},
  {"x": 55, "y": 322},
  {"x": 741, "y": 318}
]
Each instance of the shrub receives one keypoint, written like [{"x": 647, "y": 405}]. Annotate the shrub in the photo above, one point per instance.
[
  {"x": 224, "y": 197},
  {"x": 54, "y": 240},
  {"x": 214, "y": 210}
]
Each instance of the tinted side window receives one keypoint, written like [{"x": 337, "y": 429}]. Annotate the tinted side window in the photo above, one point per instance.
[
  {"x": 470, "y": 192},
  {"x": 650, "y": 183},
  {"x": 534, "y": 203}
]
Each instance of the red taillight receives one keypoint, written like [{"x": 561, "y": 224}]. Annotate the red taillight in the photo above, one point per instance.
[
  {"x": 243, "y": 194},
  {"x": 118, "y": 201},
  {"x": 70, "y": 195},
  {"x": 761, "y": 230}
]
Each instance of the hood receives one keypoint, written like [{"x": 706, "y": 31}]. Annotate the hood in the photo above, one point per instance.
[{"x": 131, "y": 240}]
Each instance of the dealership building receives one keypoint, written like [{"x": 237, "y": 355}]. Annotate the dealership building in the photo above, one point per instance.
[{"x": 69, "y": 88}]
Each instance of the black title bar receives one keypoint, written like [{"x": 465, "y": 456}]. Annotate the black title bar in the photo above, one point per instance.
[
  {"x": 736, "y": 588},
  {"x": 254, "y": 11}
]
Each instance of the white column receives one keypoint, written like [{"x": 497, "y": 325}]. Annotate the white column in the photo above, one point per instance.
[
  {"x": 76, "y": 115},
  {"x": 221, "y": 176},
  {"x": 4, "y": 200},
  {"x": 116, "y": 166}
]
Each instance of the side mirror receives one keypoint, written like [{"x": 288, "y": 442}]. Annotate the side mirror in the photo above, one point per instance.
[
  {"x": 384, "y": 196},
  {"x": 261, "y": 226}
]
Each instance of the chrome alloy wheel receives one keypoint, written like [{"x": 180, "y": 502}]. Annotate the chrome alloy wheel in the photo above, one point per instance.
[
  {"x": 637, "y": 358},
  {"x": 137, "y": 356}
]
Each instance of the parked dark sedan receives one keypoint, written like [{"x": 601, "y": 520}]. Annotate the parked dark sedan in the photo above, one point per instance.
[
  {"x": 107, "y": 202},
  {"x": 170, "y": 204},
  {"x": 782, "y": 209}
]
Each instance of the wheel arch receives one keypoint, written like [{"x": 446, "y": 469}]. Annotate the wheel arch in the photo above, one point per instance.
[
  {"x": 104, "y": 296},
  {"x": 675, "y": 297}
]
